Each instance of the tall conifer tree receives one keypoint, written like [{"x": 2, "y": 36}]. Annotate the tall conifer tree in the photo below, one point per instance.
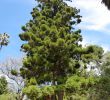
[
  {"x": 52, "y": 44},
  {"x": 52, "y": 48}
]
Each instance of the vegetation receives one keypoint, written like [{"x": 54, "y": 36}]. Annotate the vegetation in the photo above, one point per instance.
[
  {"x": 8, "y": 96},
  {"x": 3, "y": 85},
  {"x": 54, "y": 55},
  {"x": 4, "y": 40},
  {"x": 56, "y": 65},
  {"x": 107, "y": 3}
]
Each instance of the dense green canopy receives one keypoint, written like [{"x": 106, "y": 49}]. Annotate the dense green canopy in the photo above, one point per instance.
[
  {"x": 53, "y": 51},
  {"x": 52, "y": 42}
]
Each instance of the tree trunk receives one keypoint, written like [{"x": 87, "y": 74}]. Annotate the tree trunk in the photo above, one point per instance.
[
  {"x": 53, "y": 97},
  {"x": 60, "y": 95},
  {"x": 48, "y": 97}
]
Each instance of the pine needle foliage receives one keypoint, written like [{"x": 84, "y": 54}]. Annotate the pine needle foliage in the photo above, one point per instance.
[{"x": 51, "y": 42}]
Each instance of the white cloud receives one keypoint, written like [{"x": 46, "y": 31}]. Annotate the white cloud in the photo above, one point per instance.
[
  {"x": 95, "y": 15},
  {"x": 106, "y": 47}
]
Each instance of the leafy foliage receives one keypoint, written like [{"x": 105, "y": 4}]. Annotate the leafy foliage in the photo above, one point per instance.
[
  {"x": 48, "y": 90},
  {"x": 92, "y": 53},
  {"x": 32, "y": 92},
  {"x": 51, "y": 42},
  {"x": 4, "y": 40},
  {"x": 54, "y": 55},
  {"x": 8, "y": 96},
  {"x": 3, "y": 85},
  {"x": 14, "y": 72}
]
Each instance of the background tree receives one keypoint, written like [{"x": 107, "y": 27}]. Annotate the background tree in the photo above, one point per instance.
[
  {"x": 104, "y": 83},
  {"x": 101, "y": 89},
  {"x": 4, "y": 40},
  {"x": 107, "y": 3},
  {"x": 91, "y": 59},
  {"x": 83, "y": 84},
  {"x": 3, "y": 85},
  {"x": 11, "y": 69}
]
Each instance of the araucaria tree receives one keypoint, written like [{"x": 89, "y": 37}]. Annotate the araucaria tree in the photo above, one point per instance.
[{"x": 52, "y": 44}]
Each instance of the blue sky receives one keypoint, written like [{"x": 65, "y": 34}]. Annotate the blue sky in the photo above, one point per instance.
[
  {"x": 15, "y": 13},
  {"x": 95, "y": 23}
]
